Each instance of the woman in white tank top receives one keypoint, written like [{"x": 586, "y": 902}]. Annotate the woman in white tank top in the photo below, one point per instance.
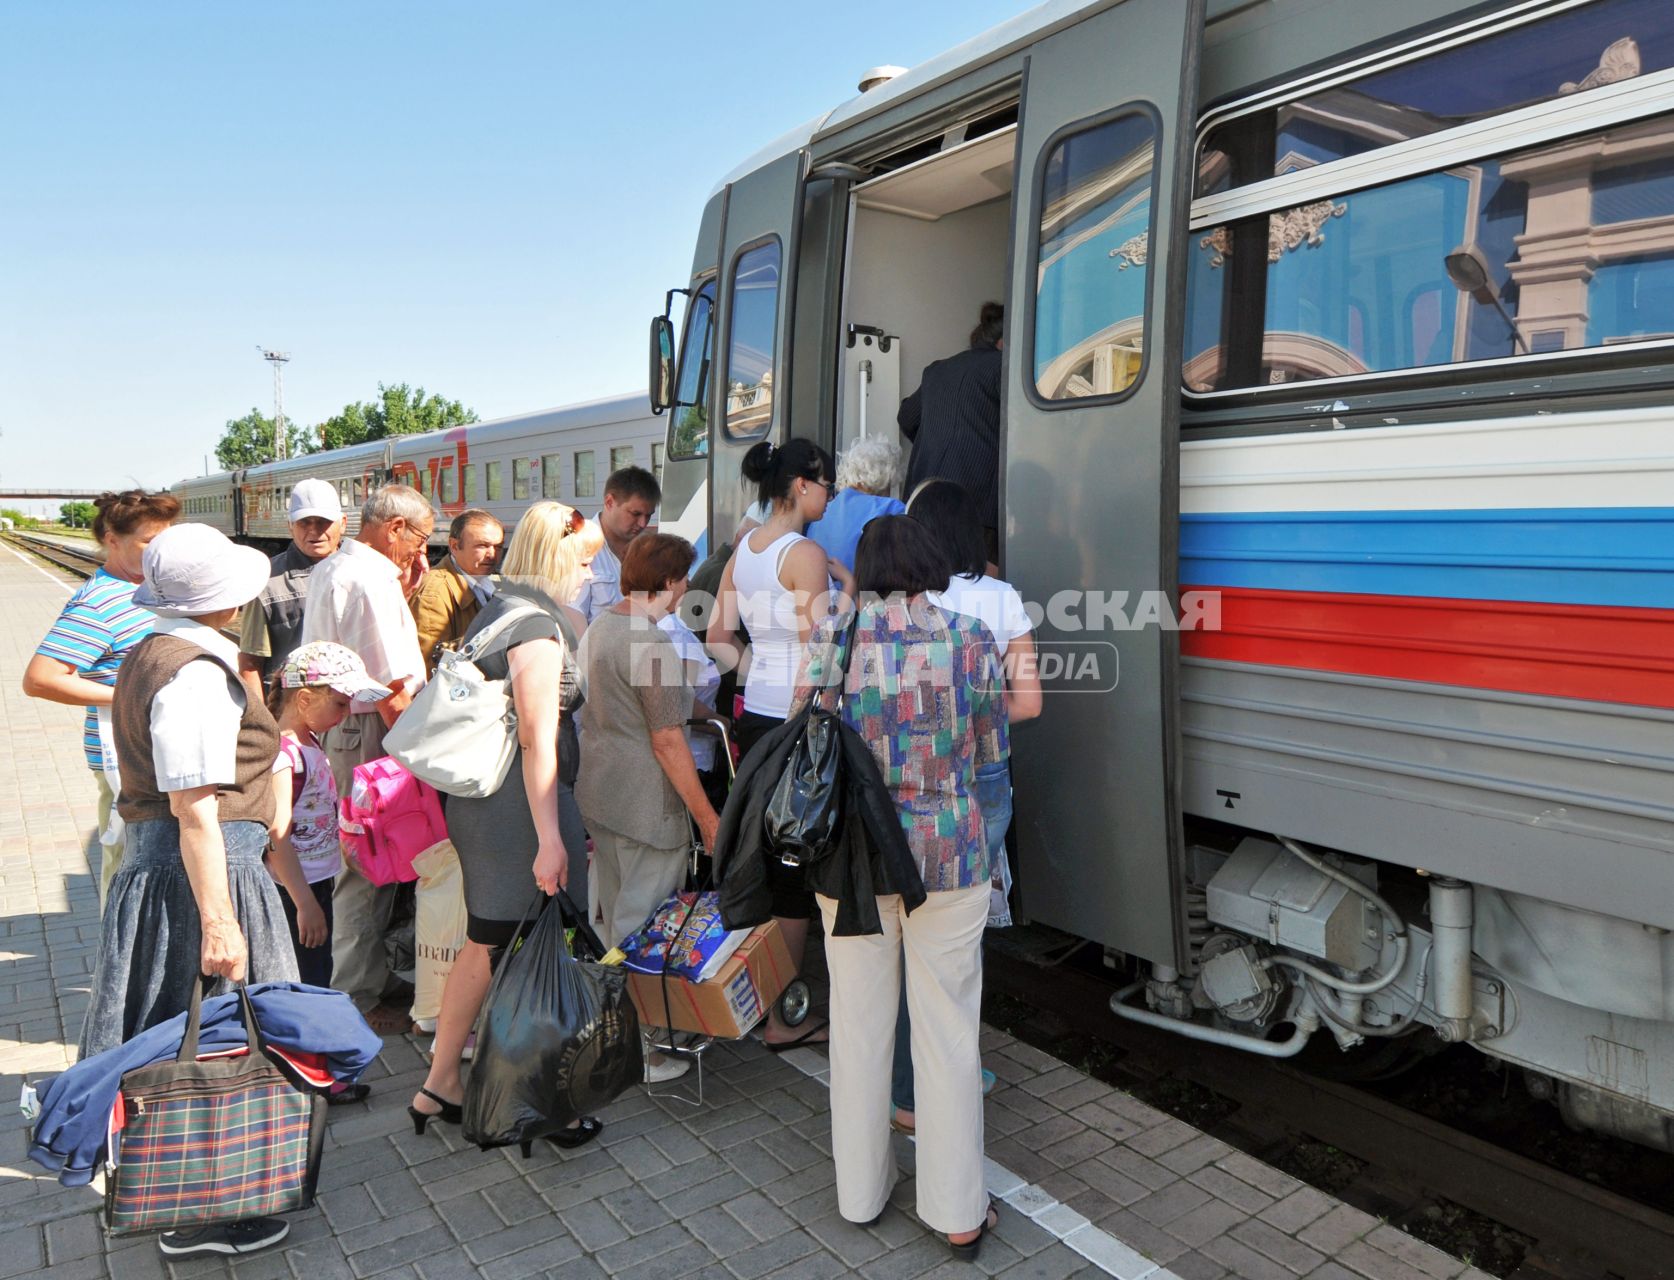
[{"x": 778, "y": 584}]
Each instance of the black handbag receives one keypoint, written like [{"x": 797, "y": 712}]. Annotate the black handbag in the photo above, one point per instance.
[{"x": 804, "y": 815}]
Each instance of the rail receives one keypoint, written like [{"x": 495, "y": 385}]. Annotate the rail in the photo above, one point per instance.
[{"x": 61, "y": 555}]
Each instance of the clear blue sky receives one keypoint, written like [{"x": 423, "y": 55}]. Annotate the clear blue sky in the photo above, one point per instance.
[{"x": 484, "y": 198}]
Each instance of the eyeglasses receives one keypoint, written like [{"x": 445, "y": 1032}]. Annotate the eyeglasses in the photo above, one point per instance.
[
  {"x": 830, "y": 487},
  {"x": 574, "y": 523}
]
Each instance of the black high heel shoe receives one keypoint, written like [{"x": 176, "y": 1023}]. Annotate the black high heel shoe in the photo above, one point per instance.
[{"x": 451, "y": 1112}]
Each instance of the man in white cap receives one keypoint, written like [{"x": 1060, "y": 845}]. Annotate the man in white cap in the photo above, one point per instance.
[
  {"x": 272, "y": 625},
  {"x": 358, "y": 599}
]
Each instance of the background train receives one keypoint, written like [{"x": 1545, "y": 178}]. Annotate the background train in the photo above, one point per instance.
[
  {"x": 501, "y": 466},
  {"x": 1357, "y": 319}
]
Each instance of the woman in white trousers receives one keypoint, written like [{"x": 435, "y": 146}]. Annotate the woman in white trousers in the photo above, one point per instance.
[{"x": 923, "y": 689}]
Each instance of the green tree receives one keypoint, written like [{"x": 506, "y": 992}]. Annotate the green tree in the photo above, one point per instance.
[
  {"x": 18, "y": 519},
  {"x": 398, "y": 410},
  {"x": 248, "y": 441},
  {"x": 78, "y": 515}
]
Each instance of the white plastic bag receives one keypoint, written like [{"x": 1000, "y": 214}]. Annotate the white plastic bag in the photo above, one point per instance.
[{"x": 439, "y": 931}]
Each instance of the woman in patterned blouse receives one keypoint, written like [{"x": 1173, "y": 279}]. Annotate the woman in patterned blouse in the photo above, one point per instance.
[{"x": 923, "y": 689}]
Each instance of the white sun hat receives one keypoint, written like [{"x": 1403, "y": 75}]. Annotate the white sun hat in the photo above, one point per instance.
[{"x": 191, "y": 569}]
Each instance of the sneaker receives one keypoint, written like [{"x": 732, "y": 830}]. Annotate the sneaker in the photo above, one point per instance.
[
  {"x": 226, "y": 1237},
  {"x": 666, "y": 1070}
]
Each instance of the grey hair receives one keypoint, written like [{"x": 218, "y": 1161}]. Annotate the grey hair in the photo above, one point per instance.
[
  {"x": 395, "y": 501},
  {"x": 873, "y": 464}
]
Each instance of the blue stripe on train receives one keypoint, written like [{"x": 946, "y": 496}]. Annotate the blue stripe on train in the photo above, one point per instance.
[{"x": 1577, "y": 555}]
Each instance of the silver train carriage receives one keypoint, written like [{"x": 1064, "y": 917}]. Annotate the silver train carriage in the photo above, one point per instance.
[
  {"x": 501, "y": 466},
  {"x": 1337, "y": 462}
]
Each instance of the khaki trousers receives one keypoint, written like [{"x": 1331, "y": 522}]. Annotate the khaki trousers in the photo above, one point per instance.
[
  {"x": 360, "y": 909},
  {"x": 941, "y": 945},
  {"x": 110, "y": 855},
  {"x": 632, "y": 880}
]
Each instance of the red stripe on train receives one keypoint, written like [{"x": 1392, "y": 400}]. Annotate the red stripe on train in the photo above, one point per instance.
[{"x": 1601, "y": 654}]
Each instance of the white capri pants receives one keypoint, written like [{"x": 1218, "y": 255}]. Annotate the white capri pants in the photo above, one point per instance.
[{"x": 942, "y": 943}]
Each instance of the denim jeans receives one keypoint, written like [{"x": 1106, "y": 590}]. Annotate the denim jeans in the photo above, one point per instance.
[{"x": 993, "y": 794}]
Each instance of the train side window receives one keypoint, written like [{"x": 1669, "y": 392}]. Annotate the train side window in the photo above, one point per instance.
[
  {"x": 584, "y": 473},
  {"x": 491, "y": 482},
  {"x": 688, "y": 432},
  {"x": 425, "y": 483},
  {"x": 447, "y": 483},
  {"x": 520, "y": 479},
  {"x": 622, "y": 455},
  {"x": 657, "y": 460},
  {"x": 752, "y": 332},
  {"x": 468, "y": 483},
  {"x": 1092, "y": 252},
  {"x": 552, "y": 476}
]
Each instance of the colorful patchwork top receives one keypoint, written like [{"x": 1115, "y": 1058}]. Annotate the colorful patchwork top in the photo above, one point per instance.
[
  {"x": 924, "y": 691},
  {"x": 98, "y": 626}
]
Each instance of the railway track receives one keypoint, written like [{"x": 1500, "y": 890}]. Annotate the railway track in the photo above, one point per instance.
[
  {"x": 58, "y": 553},
  {"x": 1573, "y": 1229}
]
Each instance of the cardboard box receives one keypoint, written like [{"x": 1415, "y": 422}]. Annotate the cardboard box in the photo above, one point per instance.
[{"x": 728, "y": 1004}]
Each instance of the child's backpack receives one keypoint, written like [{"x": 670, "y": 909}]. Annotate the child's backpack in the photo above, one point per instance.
[{"x": 388, "y": 818}]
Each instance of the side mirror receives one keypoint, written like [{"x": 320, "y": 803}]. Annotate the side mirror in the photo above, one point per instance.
[{"x": 662, "y": 363}]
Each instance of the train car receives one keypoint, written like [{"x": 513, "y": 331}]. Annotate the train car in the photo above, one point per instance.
[
  {"x": 501, "y": 466},
  {"x": 1337, "y": 463}
]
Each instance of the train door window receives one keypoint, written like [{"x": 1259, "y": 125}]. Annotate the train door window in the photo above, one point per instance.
[
  {"x": 448, "y": 482},
  {"x": 426, "y": 485},
  {"x": 521, "y": 468},
  {"x": 622, "y": 455},
  {"x": 552, "y": 476},
  {"x": 688, "y": 435},
  {"x": 584, "y": 473},
  {"x": 491, "y": 482},
  {"x": 1091, "y": 273},
  {"x": 468, "y": 483},
  {"x": 752, "y": 331},
  {"x": 657, "y": 460}
]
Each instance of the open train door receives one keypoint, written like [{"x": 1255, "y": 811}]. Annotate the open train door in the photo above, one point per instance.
[{"x": 1092, "y": 399}]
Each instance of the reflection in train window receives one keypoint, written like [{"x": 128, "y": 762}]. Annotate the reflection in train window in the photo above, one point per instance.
[
  {"x": 425, "y": 483},
  {"x": 688, "y": 433},
  {"x": 1570, "y": 52},
  {"x": 1091, "y": 269},
  {"x": 447, "y": 483},
  {"x": 583, "y": 473},
  {"x": 1552, "y": 248},
  {"x": 491, "y": 480},
  {"x": 552, "y": 476},
  {"x": 657, "y": 460},
  {"x": 520, "y": 479},
  {"x": 470, "y": 478},
  {"x": 752, "y": 328},
  {"x": 621, "y": 455}
]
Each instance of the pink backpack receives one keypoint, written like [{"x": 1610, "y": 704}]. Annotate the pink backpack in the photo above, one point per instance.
[{"x": 388, "y": 818}]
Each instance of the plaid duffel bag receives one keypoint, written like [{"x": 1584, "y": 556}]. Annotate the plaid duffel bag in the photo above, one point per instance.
[{"x": 217, "y": 1139}]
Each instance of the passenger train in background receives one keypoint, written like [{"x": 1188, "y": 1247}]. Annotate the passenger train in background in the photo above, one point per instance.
[
  {"x": 1347, "y": 330},
  {"x": 501, "y": 466}
]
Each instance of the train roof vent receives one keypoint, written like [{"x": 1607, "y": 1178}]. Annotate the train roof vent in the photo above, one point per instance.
[{"x": 872, "y": 77}]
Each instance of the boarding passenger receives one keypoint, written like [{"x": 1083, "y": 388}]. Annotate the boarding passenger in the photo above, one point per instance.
[
  {"x": 631, "y": 495},
  {"x": 271, "y": 627},
  {"x": 867, "y": 476},
  {"x": 945, "y": 510},
  {"x": 310, "y": 696},
  {"x": 530, "y": 829},
  {"x": 778, "y": 584},
  {"x": 953, "y": 420},
  {"x": 192, "y": 895},
  {"x": 358, "y": 599},
  {"x": 77, "y": 662},
  {"x": 944, "y": 720},
  {"x": 638, "y": 782},
  {"x": 452, "y": 593}
]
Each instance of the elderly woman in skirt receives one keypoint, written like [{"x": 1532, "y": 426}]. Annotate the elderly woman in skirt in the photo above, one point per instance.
[{"x": 192, "y": 895}]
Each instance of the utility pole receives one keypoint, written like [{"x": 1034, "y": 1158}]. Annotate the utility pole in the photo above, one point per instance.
[{"x": 278, "y": 359}]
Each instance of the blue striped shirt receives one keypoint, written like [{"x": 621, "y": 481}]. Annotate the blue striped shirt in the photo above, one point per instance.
[{"x": 98, "y": 626}]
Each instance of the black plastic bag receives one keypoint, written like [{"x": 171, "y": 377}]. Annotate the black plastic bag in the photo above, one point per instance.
[{"x": 557, "y": 1038}]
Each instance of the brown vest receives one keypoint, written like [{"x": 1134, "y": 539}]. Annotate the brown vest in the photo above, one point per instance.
[{"x": 150, "y": 665}]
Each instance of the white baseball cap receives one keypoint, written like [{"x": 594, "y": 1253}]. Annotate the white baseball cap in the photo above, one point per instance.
[
  {"x": 314, "y": 498},
  {"x": 191, "y": 569}
]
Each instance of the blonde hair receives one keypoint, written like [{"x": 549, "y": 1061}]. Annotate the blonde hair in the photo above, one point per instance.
[
  {"x": 592, "y": 540},
  {"x": 544, "y": 553}
]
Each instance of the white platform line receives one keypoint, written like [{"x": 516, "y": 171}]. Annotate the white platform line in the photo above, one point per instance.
[
  {"x": 57, "y": 582},
  {"x": 1098, "y": 1246}
]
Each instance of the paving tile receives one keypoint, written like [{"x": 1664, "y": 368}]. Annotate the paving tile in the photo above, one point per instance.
[
  {"x": 761, "y": 1216},
  {"x": 1109, "y": 1254},
  {"x": 1290, "y": 1253},
  {"x": 1197, "y": 1266},
  {"x": 1261, "y": 1176},
  {"x": 1333, "y": 1231},
  {"x": 538, "y": 1260},
  {"x": 398, "y": 1252},
  {"x": 1208, "y": 1220},
  {"x": 1055, "y": 1263},
  {"x": 770, "y": 1255},
  {"x": 1243, "y": 1261},
  {"x": 1162, "y": 1207},
  {"x": 723, "y": 1234},
  {"x": 1375, "y": 1264},
  {"x": 637, "y": 1251},
  {"x": 1295, "y": 1211},
  {"x": 1415, "y": 1253},
  {"x": 593, "y": 1226}
]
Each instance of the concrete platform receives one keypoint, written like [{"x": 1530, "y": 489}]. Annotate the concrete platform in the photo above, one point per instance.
[{"x": 1092, "y": 1181}]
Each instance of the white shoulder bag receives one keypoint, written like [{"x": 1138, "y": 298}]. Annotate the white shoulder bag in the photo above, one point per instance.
[{"x": 460, "y": 733}]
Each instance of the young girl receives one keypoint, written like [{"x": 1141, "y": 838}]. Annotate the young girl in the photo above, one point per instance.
[{"x": 310, "y": 694}]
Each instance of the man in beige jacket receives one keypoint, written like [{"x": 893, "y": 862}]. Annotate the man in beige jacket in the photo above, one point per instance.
[{"x": 450, "y": 595}]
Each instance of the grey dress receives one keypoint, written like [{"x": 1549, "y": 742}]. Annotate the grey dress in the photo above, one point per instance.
[{"x": 495, "y": 835}]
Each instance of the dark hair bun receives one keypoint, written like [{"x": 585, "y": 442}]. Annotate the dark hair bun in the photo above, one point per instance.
[{"x": 758, "y": 462}]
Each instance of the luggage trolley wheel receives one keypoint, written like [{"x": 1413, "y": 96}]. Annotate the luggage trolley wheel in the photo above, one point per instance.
[{"x": 795, "y": 1003}]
